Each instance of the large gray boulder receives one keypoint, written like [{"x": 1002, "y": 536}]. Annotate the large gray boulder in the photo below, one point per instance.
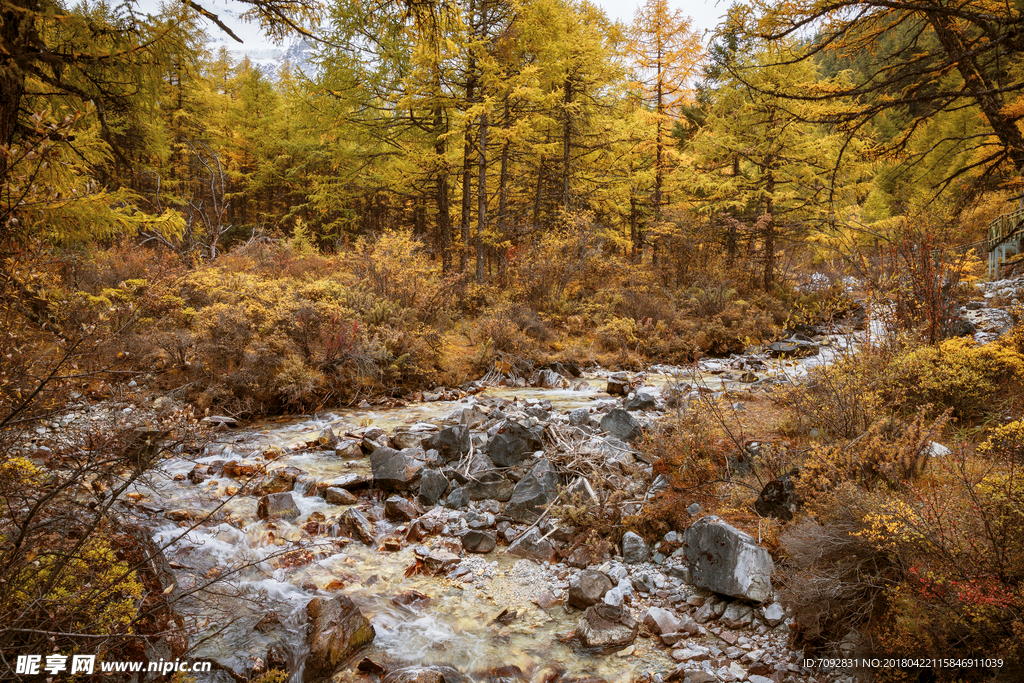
[
  {"x": 396, "y": 470},
  {"x": 606, "y": 628},
  {"x": 452, "y": 443},
  {"x": 725, "y": 560},
  {"x": 621, "y": 425},
  {"x": 335, "y": 630},
  {"x": 533, "y": 493},
  {"x": 513, "y": 443},
  {"x": 588, "y": 588}
]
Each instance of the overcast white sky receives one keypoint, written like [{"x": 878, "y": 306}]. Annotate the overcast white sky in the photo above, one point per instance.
[{"x": 705, "y": 13}]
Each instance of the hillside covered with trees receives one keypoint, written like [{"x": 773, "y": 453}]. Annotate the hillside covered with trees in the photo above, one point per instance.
[{"x": 460, "y": 194}]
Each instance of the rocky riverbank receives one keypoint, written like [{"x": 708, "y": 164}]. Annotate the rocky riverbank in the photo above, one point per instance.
[{"x": 437, "y": 543}]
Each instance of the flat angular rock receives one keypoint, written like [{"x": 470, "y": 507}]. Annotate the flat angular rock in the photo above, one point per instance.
[
  {"x": 440, "y": 561},
  {"x": 348, "y": 448},
  {"x": 277, "y": 506},
  {"x": 451, "y": 443},
  {"x": 220, "y": 420},
  {"x": 513, "y": 443},
  {"x": 737, "y": 615},
  {"x": 478, "y": 541},
  {"x": 403, "y": 440},
  {"x": 327, "y": 439},
  {"x": 792, "y": 348},
  {"x": 588, "y": 588},
  {"x": 458, "y": 498},
  {"x": 606, "y": 628},
  {"x": 335, "y": 630},
  {"x": 774, "y": 614},
  {"x": 533, "y": 493},
  {"x": 433, "y": 484},
  {"x": 339, "y": 496},
  {"x": 349, "y": 482},
  {"x": 532, "y": 546},
  {"x": 399, "y": 509},
  {"x": 579, "y": 417},
  {"x": 726, "y": 560},
  {"x": 618, "y": 384},
  {"x": 396, "y": 470},
  {"x": 661, "y": 621},
  {"x": 359, "y": 526},
  {"x": 621, "y": 425},
  {"x": 645, "y": 398}
]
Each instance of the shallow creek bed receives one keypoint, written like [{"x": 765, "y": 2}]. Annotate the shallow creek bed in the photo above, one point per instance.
[{"x": 423, "y": 538}]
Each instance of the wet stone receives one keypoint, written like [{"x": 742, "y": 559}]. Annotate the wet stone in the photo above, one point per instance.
[
  {"x": 349, "y": 482},
  {"x": 426, "y": 674},
  {"x": 359, "y": 526},
  {"x": 348, "y": 448},
  {"x": 339, "y": 496},
  {"x": 399, "y": 509},
  {"x": 336, "y": 629},
  {"x": 277, "y": 506},
  {"x": 327, "y": 439},
  {"x": 440, "y": 561},
  {"x": 396, "y": 470}
]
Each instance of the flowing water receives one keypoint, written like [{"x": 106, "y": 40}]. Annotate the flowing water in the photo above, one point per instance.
[{"x": 274, "y": 568}]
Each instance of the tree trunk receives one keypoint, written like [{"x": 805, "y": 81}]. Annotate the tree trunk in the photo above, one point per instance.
[
  {"x": 467, "y": 149},
  {"x": 467, "y": 172},
  {"x": 769, "y": 232},
  {"x": 566, "y": 144},
  {"x": 540, "y": 186},
  {"x": 444, "y": 230},
  {"x": 982, "y": 89},
  {"x": 481, "y": 213},
  {"x": 503, "y": 178}
]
